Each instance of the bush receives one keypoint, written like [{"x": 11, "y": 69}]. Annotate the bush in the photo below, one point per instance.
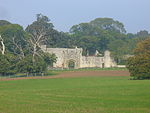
[
  {"x": 7, "y": 65},
  {"x": 139, "y": 64}
]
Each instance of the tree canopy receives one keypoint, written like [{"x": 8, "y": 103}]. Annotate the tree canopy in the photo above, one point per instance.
[
  {"x": 139, "y": 64},
  {"x": 106, "y": 34},
  {"x": 4, "y": 22},
  {"x": 108, "y": 24},
  {"x": 20, "y": 50}
]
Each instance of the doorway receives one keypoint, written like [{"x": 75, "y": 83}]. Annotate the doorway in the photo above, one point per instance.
[
  {"x": 103, "y": 65},
  {"x": 71, "y": 64}
]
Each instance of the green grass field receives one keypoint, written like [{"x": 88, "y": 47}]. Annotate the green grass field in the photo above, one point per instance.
[
  {"x": 87, "y": 69},
  {"x": 75, "y": 95}
]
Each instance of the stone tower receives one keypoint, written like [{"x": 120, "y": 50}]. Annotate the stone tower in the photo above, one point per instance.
[{"x": 108, "y": 61}]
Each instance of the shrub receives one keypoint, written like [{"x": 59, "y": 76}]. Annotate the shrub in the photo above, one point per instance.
[{"x": 139, "y": 64}]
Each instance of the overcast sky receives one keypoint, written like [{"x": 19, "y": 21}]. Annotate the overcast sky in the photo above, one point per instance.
[{"x": 134, "y": 14}]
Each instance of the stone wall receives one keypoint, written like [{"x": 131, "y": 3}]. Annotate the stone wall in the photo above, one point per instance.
[
  {"x": 65, "y": 55},
  {"x": 92, "y": 61}
]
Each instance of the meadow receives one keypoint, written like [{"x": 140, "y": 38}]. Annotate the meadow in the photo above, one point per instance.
[{"x": 114, "y": 94}]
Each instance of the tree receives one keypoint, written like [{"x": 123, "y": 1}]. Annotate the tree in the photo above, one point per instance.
[
  {"x": 88, "y": 43},
  {"x": 89, "y": 37},
  {"x": 13, "y": 46},
  {"x": 38, "y": 31},
  {"x": 109, "y": 24},
  {"x": 139, "y": 64},
  {"x": 7, "y": 64},
  {"x": 16, "y": 51},
  {"x": 4, "y": 22},
  {"x": 142, "y": 34},
  {"x": 14, "y": 39},
  {"x": 4, "y": 65},
  {"x": 40, "y": 64},
  {"x": 121, "y": 49}
]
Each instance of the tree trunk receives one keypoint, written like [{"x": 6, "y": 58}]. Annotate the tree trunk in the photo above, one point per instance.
[
  {"x": 3, "y": 46},
  {"x": 34, "y": 52}
]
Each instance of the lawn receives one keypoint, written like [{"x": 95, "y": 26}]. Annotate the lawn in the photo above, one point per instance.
[
  {"x": 86, "y": 69},
  {"x": 75, "y": 95}
]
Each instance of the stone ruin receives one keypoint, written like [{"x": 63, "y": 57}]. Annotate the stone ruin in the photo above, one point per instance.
[{"x": 72, "y": 58}]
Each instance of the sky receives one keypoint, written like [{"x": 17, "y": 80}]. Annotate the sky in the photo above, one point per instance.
[{"x": 134, "y": 14}]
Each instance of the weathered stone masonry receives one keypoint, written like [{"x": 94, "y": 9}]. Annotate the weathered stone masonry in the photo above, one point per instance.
[{"x": 67, "y": 55}]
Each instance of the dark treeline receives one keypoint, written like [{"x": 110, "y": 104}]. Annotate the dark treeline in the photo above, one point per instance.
[{"x": 20, "y": 48}]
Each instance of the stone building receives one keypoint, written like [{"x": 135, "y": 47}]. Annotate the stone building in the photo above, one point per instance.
[{"x": 72, "y": 58}]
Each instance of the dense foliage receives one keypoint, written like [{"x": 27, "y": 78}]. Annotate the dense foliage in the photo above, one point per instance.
[
  {"x": 106, "y": 34},
  {"x": 139, "y": 64},
  {"x": 20, "y": 49}
]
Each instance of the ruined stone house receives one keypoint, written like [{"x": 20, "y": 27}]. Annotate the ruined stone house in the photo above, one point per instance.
[{"x": 72, "y": 58}]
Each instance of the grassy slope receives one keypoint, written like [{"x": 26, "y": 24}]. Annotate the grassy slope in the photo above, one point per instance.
[{"x": 75, "y": 95}]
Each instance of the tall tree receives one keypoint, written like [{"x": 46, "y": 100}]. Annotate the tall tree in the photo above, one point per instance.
[
  {"x": 39, "y": 31},
  {"x": 109, "y": 24},
  {"x": 104, "y": 34},
  {"x": 15, "y": 39}
]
